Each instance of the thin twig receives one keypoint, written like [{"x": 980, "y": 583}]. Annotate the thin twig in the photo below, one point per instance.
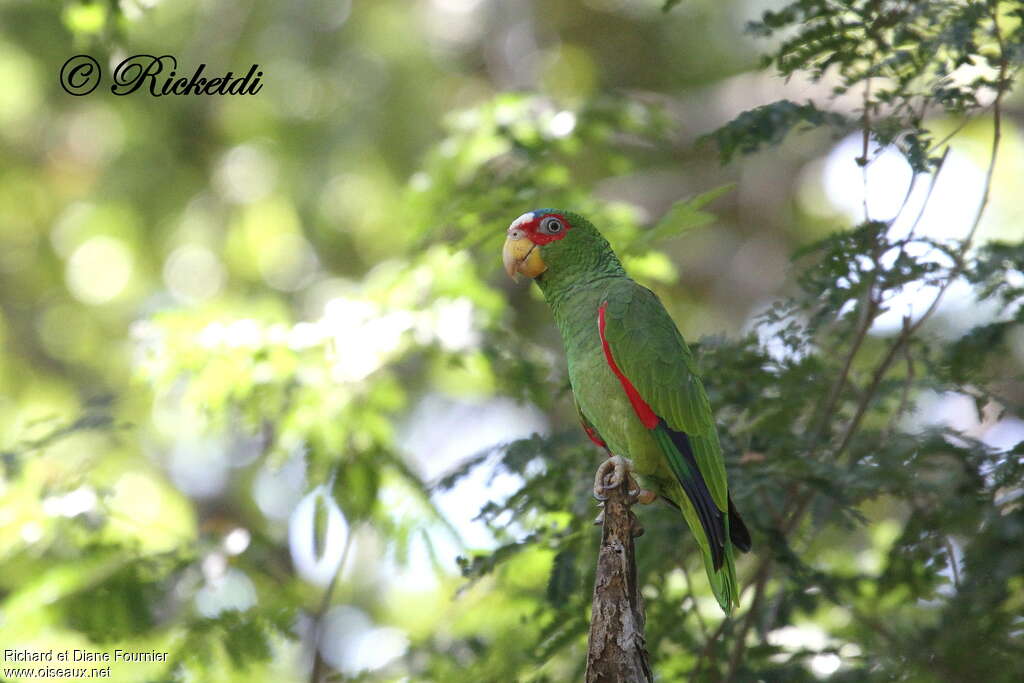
[
  {"x": 906, "y": 199},
  {"x": 959, "y": 127},
  {"x": 319, "y": 665},
  {"x": 863, "y": 160},
  {"x": 869, "y": 310},
  {"x": 953, "y": 563},
  {"x": 760, "y": 582},
  {"x": 927, "y": 197},
  {"x": 693, "y": 601},
  {"x": 905, "y": 394},
  {"x": 706, "y": 652},
  {"x": 869, "y": 394}
]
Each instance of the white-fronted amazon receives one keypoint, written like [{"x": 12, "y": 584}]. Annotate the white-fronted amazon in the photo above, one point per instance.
[{"x": 634, "y": 379}]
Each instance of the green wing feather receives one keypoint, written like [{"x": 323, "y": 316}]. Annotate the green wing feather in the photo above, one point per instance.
[{"x": 652, "y": 354}]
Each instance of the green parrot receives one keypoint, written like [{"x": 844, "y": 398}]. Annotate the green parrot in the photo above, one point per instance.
[{"x": 634, "y": 380}]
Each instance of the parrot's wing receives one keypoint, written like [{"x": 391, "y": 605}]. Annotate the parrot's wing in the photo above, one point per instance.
[
  {"x": 649, "y": 353},
  {"x": 644, "y": 349}
]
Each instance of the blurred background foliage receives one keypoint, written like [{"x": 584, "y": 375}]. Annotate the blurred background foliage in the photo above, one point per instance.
[{"x": 268, "y": 403}]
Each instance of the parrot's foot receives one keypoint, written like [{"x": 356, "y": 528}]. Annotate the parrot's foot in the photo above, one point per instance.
[{"x": 610, "y": 475}]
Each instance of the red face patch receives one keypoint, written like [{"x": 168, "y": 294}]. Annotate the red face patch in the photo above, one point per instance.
[{"x": 541, "y": 227}]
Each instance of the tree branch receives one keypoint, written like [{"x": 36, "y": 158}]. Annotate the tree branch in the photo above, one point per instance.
[{"x": 617, "y": 650}]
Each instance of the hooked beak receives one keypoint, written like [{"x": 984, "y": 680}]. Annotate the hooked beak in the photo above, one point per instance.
[{"x": 520, "y": 255}]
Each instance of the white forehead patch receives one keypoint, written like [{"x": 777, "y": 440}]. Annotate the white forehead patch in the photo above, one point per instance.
[{"x": 525, "y": 218}]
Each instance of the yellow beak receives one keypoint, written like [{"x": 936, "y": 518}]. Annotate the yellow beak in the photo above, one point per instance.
[{"x": 520, "y": 255}]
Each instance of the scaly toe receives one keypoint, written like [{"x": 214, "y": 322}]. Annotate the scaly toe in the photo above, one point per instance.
[
  {"x": 621, "y": 469},
  {"x": 599, "y": 487}
]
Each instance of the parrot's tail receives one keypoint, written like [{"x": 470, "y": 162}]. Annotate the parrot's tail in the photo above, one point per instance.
[
  {"x": 719, "y": 532},
  {"x": 723, "y": 580}
]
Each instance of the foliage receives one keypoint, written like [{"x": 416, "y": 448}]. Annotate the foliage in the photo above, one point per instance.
[
  {"x": 909, "y": 60},
  {"x": 769, "y": 124}
]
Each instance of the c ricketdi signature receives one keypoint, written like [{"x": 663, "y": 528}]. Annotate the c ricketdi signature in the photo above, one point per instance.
[{"x": 159, "y": 75}]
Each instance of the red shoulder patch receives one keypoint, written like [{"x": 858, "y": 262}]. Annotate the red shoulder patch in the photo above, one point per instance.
[{"x": 643, "y": 411}]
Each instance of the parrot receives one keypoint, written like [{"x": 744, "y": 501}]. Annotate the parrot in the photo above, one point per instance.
[{"x": 635, "y": 383}]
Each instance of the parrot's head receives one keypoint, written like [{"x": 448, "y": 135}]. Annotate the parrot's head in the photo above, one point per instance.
[{"x": 555, "y": 244}]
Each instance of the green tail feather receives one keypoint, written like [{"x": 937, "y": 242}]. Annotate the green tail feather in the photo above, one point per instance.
[{"x": 723, "y": 582}]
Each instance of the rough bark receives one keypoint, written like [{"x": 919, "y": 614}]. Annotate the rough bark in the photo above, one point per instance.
[{"x": 617, "y": 649}]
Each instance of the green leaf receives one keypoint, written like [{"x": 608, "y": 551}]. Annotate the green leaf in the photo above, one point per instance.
[
  {"x": 320, "y": 516},
  {"x": 768, "y": 125},
  {"x": 356, "y": 484},
  {"x": 683, "y": 216}
]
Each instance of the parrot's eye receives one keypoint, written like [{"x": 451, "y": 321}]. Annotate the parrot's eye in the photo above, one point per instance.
[{"x": 551, "y": 226}]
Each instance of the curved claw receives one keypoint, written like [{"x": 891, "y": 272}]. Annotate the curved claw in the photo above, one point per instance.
[{"x": 611, "y": 473}]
